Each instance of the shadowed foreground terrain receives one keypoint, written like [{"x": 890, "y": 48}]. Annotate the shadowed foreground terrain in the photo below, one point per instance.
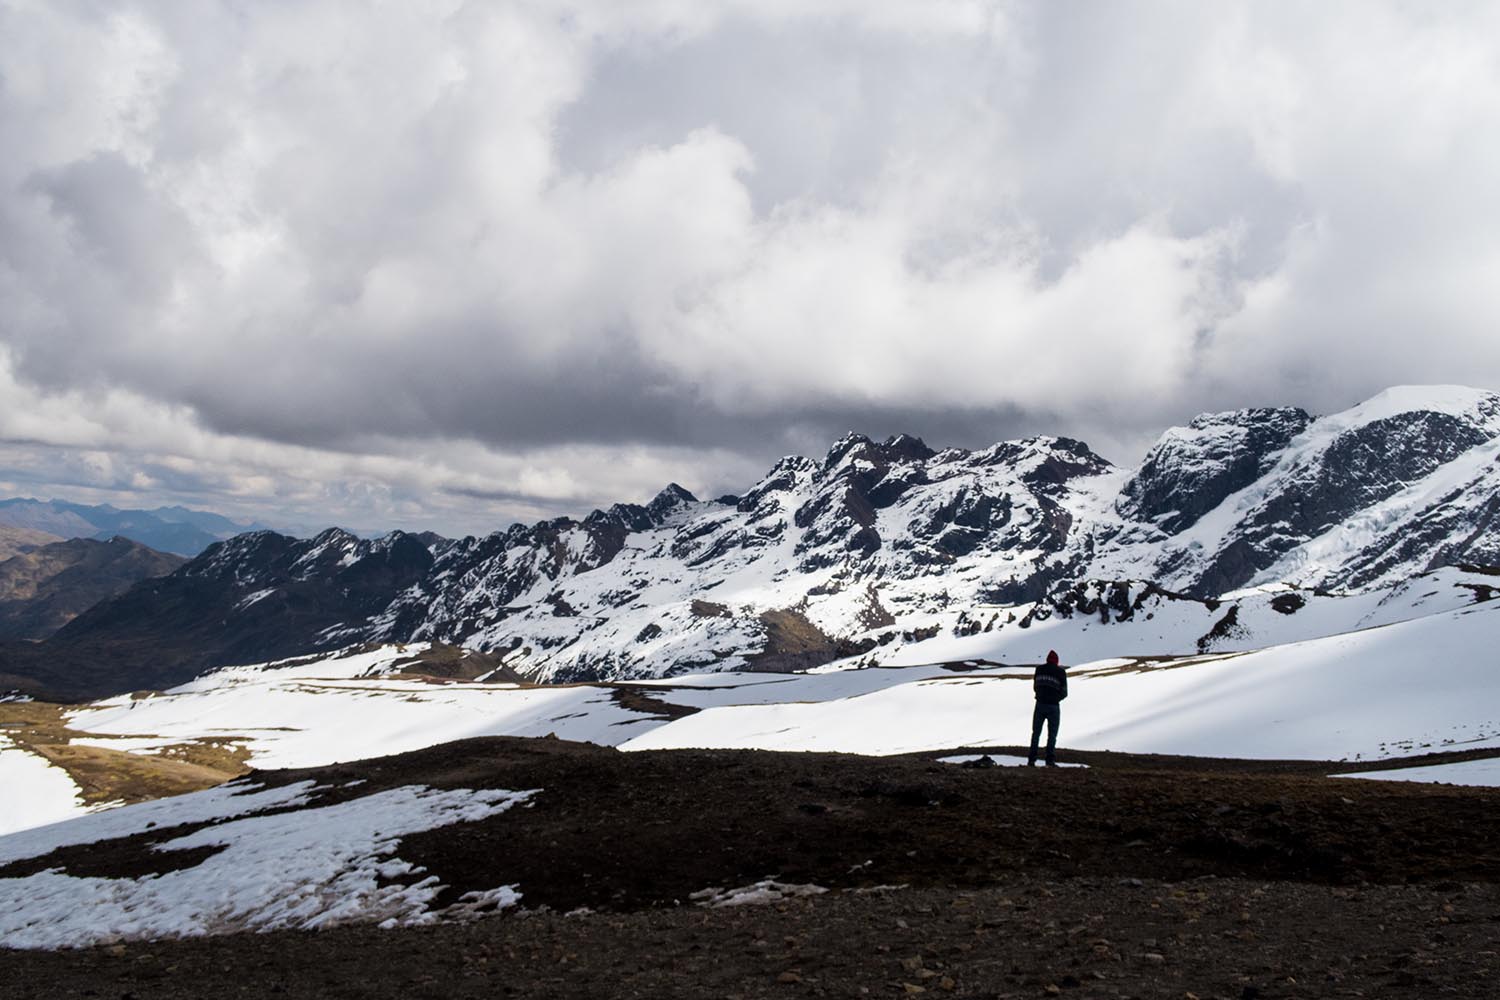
[{"x": 1136, "y": 877}]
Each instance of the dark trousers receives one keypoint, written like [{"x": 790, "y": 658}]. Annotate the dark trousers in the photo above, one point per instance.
[{"x": 1052, "y": 715}]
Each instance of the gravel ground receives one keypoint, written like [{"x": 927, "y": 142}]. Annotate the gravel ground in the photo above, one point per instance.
[{"x": 1132, "y": 878}]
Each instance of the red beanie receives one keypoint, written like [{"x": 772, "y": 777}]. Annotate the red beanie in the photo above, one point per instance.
[{"x": 1052, "y": 657}]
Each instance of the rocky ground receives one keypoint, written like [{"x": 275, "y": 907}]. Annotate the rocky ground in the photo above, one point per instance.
[{"x": 1135, "y": 877}]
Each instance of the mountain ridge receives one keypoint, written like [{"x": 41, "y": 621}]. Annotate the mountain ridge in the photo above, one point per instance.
[{"x": 834, "y": 557}]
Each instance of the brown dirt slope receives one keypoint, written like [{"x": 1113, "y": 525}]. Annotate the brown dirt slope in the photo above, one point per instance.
[
  {"x": 14, "y": 541},
  {"x": 106, "y": 775},
  {"x": 43, "y": 589}
]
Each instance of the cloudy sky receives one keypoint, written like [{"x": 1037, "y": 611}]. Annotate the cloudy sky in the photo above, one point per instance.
[{"x": 449, "y": 265}]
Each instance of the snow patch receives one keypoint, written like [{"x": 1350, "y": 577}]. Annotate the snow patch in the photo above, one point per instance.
[
  {"x": 995, "y": 760},
  {"x": 227, "y": 801},
  {"x": 1484, "y": 772},
  {"x": 282, "y": 717},
  {"x": 765, "y": 891},
  {"x": 36, "y": 791},
  {"x": 250, "y": 599},
  {"x": 125, "y": 744},
  {"x": 305, "y": 869}
]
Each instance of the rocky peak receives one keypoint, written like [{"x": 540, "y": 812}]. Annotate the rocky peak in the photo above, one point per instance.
[
  {"x": 850, "y": 442},
  {"x": 784, "y": 477},
  {"x": 621, "y": 516},
  {"x": 327, "y": 552},
  {"x": 1193, "y": 469},
  {"x": 671, "y": 498},
  {"x": 1053, "y": 462},
  {"x": 856, "y": 448},
  {"x": 370, "y": 572},
  {"x": 433, "y": 540},
  {"x": 242, "y": 557},
  {"x": 906, "y": 448},
  {"x": 608, "y": 529}
]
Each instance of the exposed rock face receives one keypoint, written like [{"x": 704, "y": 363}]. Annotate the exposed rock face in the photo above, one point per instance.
[
  {"x": 827, "y": 558},
  {"x": 1395, "y": 486},
  {"x": 1192, "y": 470},
  {"x": 1359, "y": 469}
]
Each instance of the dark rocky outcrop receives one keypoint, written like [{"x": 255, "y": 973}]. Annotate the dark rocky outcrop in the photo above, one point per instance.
[{"x": 1189, "y": 473}]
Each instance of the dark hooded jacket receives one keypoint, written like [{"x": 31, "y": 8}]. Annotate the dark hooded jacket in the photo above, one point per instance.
[{"x": 1050, "y": 682}]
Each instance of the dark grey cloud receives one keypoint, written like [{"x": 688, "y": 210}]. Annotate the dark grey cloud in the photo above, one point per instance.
[{"x": 449, "y": 264}]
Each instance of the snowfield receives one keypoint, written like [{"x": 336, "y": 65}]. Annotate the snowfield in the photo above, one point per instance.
[
  {"x": 1383, "y": 692},
  {"x": 304, "y": 868},
  {"x": 215, "y": 805},
  {"x": 1380, "y": 691},
  {"x": 341, "y": 709}
]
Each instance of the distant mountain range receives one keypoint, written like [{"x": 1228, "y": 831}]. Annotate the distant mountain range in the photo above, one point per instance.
[
  {"x": 875, "y": 544},
  {"x": 167, "y": 529}
]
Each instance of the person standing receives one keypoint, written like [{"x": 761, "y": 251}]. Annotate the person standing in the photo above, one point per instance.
[{"x": 1050, "y": 685}]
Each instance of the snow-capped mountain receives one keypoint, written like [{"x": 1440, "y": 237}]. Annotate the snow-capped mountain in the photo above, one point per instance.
[
  {"x": 816, "y": 561},
  {"x": 1400, "y": 484},
  {"x": 873, "y": 547}
]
